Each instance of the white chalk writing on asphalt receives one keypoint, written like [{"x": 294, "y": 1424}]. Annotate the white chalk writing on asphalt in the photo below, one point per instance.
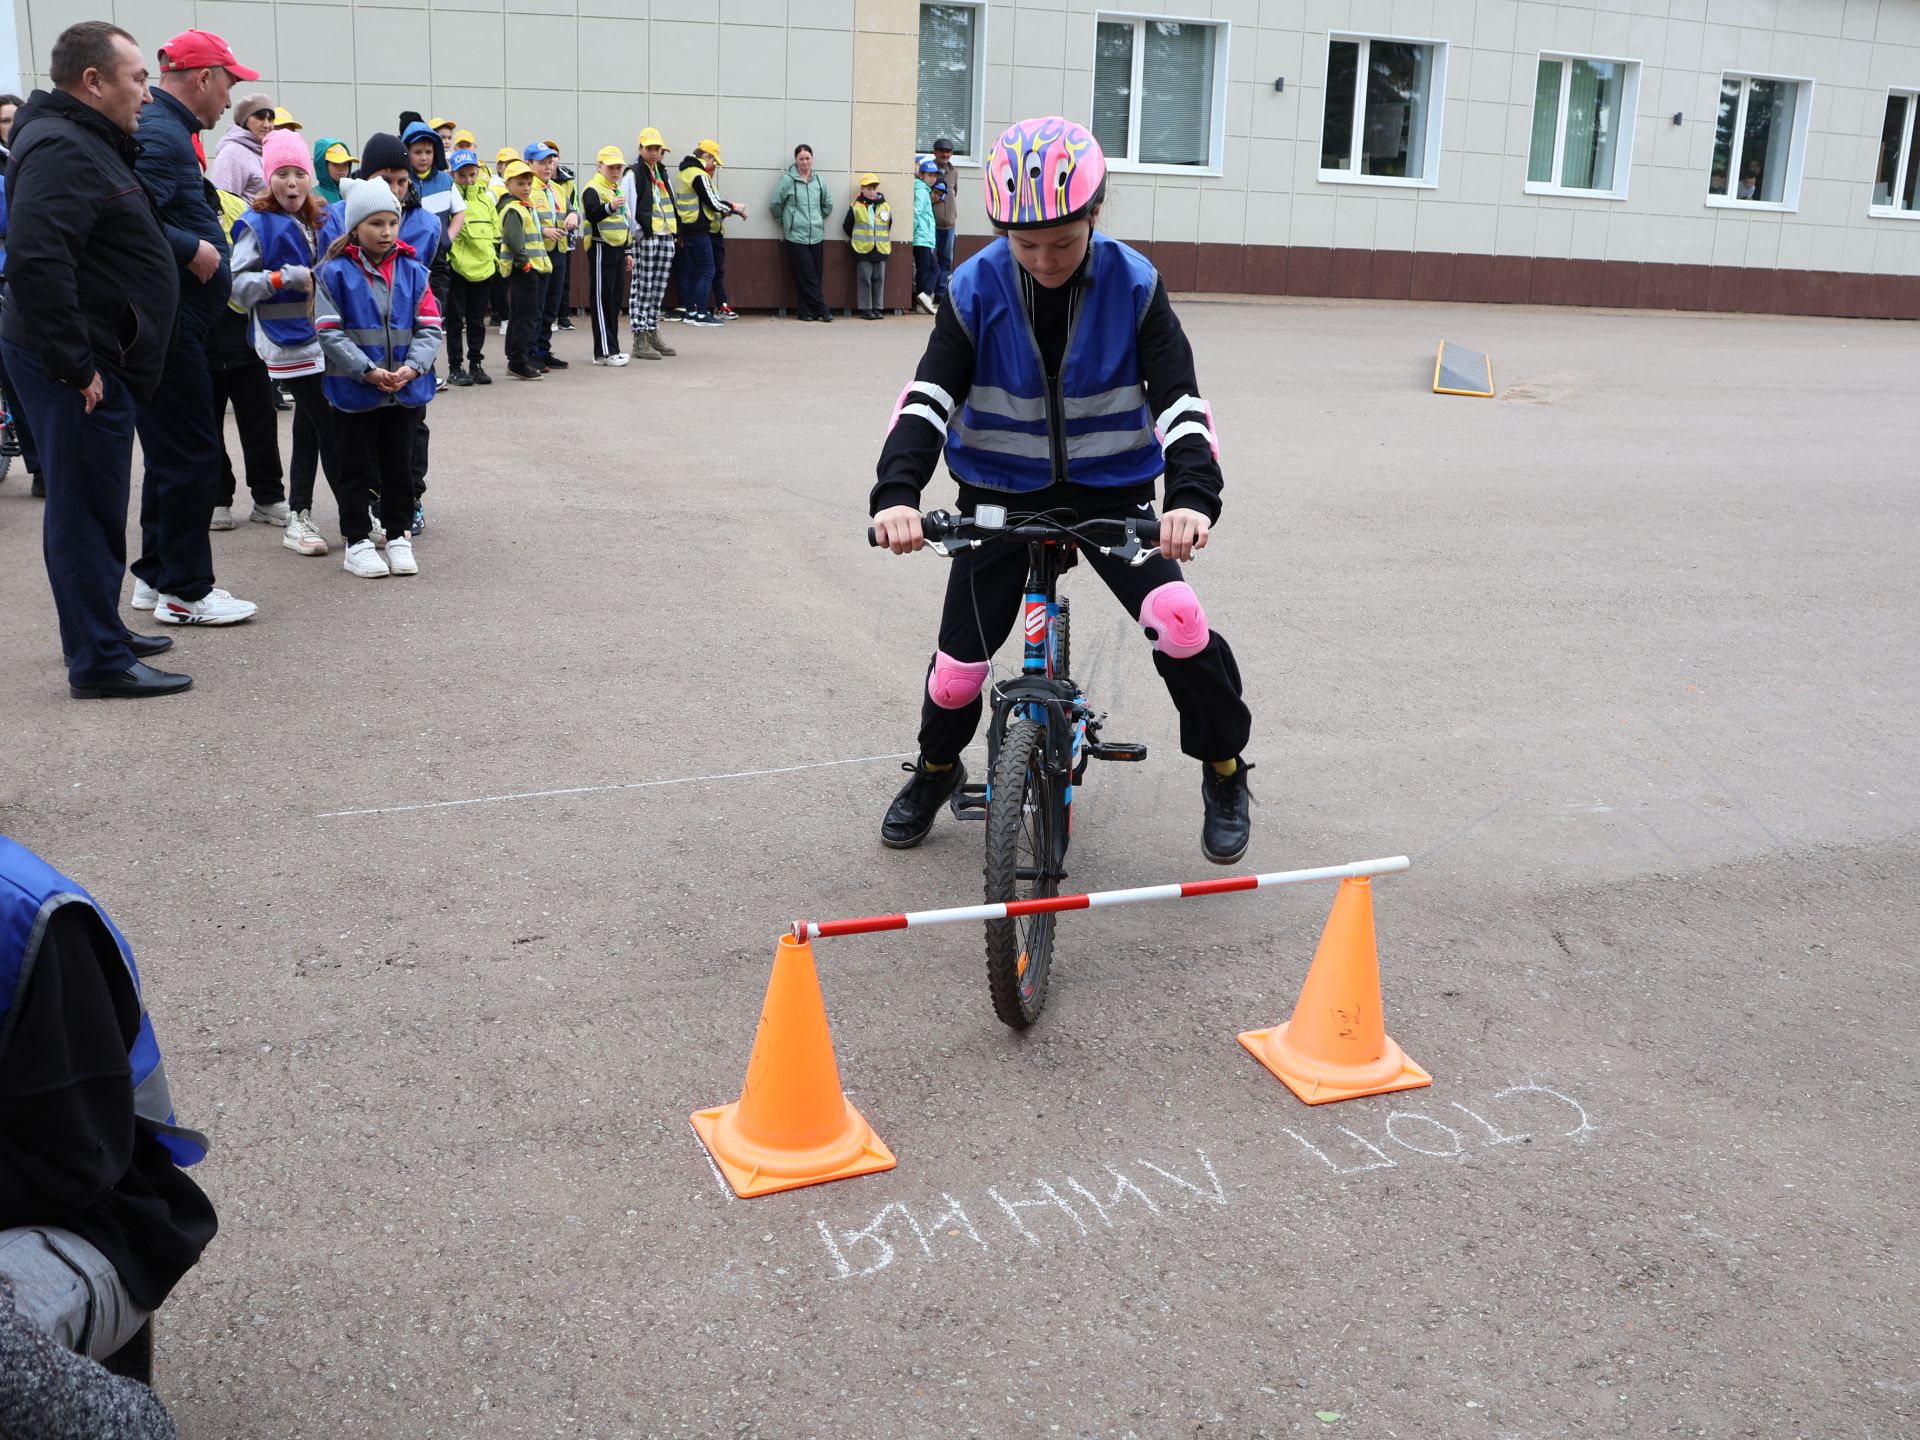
[{"x": 1082, "y": 1207}]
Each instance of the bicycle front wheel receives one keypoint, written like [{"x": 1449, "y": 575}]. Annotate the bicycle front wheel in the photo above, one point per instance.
[{"x": 1024, "y": 832}]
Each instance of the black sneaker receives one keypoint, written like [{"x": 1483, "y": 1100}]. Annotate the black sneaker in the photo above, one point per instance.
[
  {"x": 480, "y": 377},
  {"x": 38, "y": 489},
  {"x": 549, "y": 362},
  {"x": 419, "y": 518},
  {"x": 457, "y": 376},
  {"x": 525, "y": 372},
  {"x": 1227, "y": 826},
  {"x": 910, "y": 816},
  {"x": 563, "y": 323}
]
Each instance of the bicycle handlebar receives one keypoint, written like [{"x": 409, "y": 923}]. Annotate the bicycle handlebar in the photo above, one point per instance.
[{"x": 942, "y": 526}]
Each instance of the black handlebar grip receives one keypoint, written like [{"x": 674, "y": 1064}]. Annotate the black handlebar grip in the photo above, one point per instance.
[
  {"x": 872, "y": 539},
  {"x": 1147, "y": 531}
]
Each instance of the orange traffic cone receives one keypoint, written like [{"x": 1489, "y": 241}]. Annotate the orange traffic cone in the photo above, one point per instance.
[
  {"x": 791, "y": 1126},
  {"x": 1336, "y": 1046}
]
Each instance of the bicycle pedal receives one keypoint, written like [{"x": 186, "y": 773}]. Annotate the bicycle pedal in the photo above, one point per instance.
[
  {"x": 969, "y": 802},
  {"x": 1123, "y": 750}
]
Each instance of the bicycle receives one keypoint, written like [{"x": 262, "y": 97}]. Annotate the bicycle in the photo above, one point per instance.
[{"x": 1040, "y": 739}]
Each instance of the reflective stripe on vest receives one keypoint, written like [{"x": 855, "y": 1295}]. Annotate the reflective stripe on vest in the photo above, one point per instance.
[
  {"x": 665, "y": 215},
  {"x": 30, "y": 892},
  {"x": 382, "y": 337},
  {"x": 535, "y": 242},
  {"x": 872, "y": 228},
  {"x": 287, "y": 318},
  {"x": 686, "y": 204},
  {"x": 613, "y": 229},
  {"x": 1002, "y": 436}
]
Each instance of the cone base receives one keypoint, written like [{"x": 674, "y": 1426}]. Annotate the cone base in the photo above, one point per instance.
[
  {"x": 753, "y": 1169},
  {"x": 1319, "y": 1082}
]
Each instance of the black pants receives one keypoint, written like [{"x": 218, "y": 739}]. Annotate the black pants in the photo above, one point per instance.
[
  {"x": 540, "y": 344},
  {"x": 422, "y": 436},
  {"x": 249, "y": 389},
  {"x": 497, "y": 300},
  {"x": 719, "y": 269},
  {"x": 376, "y": 453},
  {"x": 466, "y": 317},
  {"x": 182, "y": 450},
  {"x": 806, "y": 261},
  {"x": 523, "y": 304},
  {"x": 989, "y": 583},
  {"x": 440, "y": 281},
  {"x": 88, "y": 461},
  {"x": 609, "y": 297},
  {"x": 925, "y": 271},
  {"x": 556, "y": 302},
  {"x": 313, "y": 447}
]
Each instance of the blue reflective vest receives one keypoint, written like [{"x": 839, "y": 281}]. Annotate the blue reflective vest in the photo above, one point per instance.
[
  {"x": 418, "y": 228},
  {"x": 287, "y": 317},
  {"x": 1007, "y": 431},
  {"x": 383, "y": 337},
  {"x": 30, "y": 891}
]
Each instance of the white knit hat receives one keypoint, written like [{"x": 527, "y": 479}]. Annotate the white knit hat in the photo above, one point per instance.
[{"x": 365, "y": 198}]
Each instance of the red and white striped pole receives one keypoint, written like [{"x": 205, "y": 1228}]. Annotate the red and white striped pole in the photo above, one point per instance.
[{"x": 914, "y": 919}]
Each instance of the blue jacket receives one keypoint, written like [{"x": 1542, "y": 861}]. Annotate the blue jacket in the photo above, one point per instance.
[
  {"x": 30, "y": 891},
  {"x": 189, "y": 209},
  {"x": 375, "y": 320},
  {"x": 1015, "y": 430}
]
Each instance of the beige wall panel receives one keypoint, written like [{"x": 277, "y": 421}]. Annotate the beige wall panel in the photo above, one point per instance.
[
  {"x": 314, "y": 43},
  {"x": 886, "y": 17},
  {"x": 482, "y": 111},
  {"x": 613, "y": 53},
  {"x": 821, "y": 15},
  {"x": 1269, "y": 219},
  {"x": 755, "y": 12},
  {"x": 388, "y": 46},
  {"x": 246, "y": 25},
  {"x": 820, "y": 65},
  {"x": 543, "y": 115},
  {"x": 685, "y": 58},
  {"x": 542, "y": 7},
  {"x": 542, "y": 52},
  {"x": 1128, "y": 214},
  {"x": 469, "y": 50},
  {"x": 684, "y": 120},
  {"x": 827, "y": 125},
  {"x": 611, "y": 118},
  {"x": 1039, "y": 38},
  {"x": 754, "y": 60},
  {"x": 887, "y": 68},
  {"x": 1223, "y": 216},
  {"x": 753, "y": 134}
]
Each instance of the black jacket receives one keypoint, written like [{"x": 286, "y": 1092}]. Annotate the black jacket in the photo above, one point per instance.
[
  {"x": 91, "y": 281},
  {"x": 189, "y": 206}
]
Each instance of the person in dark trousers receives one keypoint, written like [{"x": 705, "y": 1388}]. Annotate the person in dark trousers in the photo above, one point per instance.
[
  {"x": 523, "y": 249},
  {"x": 946, "y": 214},
  {"x": 604, "y": 242},
  {"x": 99, "y": 1219},
  {"x": 1057, "y": 379},
  {"x": 474, "y": 258},
  {"x": 802, "y": 203},
  {"x": 17, "y": 439},
  {"x": 177, "y": 434},
  {"x": 868, "y": 226},
  {"x": 241, "y": 380},
  {"x": 90, "y": 302}
]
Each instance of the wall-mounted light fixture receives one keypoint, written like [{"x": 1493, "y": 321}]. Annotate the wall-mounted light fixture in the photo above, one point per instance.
[
  {"x": 1678, "y": 117},
  {"x": 1281, "y": 83}
]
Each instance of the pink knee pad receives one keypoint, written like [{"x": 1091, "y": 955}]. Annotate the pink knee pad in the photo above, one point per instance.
[
  {"x": 955, "y": 684},
  {"x": 1173, "y": 619}
]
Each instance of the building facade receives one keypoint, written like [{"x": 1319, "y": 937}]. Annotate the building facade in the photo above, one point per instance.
[{"x": 1755, "y": 155}]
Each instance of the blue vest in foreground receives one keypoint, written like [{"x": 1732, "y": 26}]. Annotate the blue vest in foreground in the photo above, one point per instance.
[
  {"x": 1001, "y": 437},
  {"x": 418, "y": 228},
  {"x": 385, "y": 339},
  {"x": 287, "y": 317},
  {"x": 30, "y": 891}
]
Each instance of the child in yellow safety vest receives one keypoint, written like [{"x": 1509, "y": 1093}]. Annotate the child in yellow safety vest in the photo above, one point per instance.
[
  {"x": 869, "y": 226},
  {"x": 523, "y": 259},
  {"x": 604, "y": 243},
  {"x": 475, "y": 262}
]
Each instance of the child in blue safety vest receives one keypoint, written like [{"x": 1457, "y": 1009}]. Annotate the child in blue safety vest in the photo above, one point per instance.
[
  {"x": 1058, "y": 379},
  {"x": 380, "y": 328}
]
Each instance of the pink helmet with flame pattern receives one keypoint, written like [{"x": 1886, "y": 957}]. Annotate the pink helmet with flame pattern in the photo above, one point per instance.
[{"x": 1044, "y": 172}]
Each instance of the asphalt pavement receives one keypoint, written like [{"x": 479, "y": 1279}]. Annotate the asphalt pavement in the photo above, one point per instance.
[{"x": 455, "y": 895}]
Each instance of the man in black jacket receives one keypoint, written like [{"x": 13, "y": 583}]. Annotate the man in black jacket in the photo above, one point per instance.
[
  {"x": 178, "y": 436},
  {"x": 85, "y": 326}
]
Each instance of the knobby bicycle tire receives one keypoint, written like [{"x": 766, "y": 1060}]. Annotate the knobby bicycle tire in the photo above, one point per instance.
[{"x": 1023, "y": 822}]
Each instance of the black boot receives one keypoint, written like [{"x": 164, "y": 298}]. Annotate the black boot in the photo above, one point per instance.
[
  {"x": 1228, "y": 822},
  {"x": 910, "y": 816}
]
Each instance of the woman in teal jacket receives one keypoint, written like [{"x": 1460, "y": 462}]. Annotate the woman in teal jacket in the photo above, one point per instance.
[{"x": 802, "y": 204}]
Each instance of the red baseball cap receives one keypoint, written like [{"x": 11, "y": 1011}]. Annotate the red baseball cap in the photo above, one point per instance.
[{"x": 202, "y": 50}]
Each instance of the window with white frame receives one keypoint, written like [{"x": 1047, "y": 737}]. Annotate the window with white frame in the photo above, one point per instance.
[
  {"x": 1158, "y": 91},
  {"x": 1381, "y": 124},
  {"x": 1583, "y": 112},
  {"x": 952, "y": 77},
  {"x": 1759, "y": 141},
  {"x": 1899, "y": 166}
]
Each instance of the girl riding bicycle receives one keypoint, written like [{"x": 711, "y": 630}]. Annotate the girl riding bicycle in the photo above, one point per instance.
[{"x": 1058, "y": 379}]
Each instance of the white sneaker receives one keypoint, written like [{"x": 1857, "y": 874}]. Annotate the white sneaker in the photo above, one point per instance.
[
  {"x": 364, "y": 560},
  {"x": 923, "y": 302},
  {"x": 618, "y": 359},
  {"x": 301, "y": 537},
  {"x": 222, "y": 518},
  {"x": 400, "y": 559},
  {"x": 145, "y": 597},
  {"x": 274, "y": 514},
  {"x": 216, "y": 607},
  {"x": 603, "y": 360}
]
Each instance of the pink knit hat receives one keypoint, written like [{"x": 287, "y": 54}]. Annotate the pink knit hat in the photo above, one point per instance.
[{"x": 283, "y": 149}]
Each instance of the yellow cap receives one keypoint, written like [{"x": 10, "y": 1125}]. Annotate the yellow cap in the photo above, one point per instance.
[
  {"x": 869, "y": 179},
  {"x": 516, "y": 168},
  {"x": 506, "y": 153},
  {"x": 463, "y": 139},
  {"x": 611, "y": 155},
  {"x": 650, "y": 136},
  {"x": 339, "y": 154},
  {"x": 711, "y": 147},
  {"x": 553, "y": 145},
  {"x": 283, "y": 119},
  {"x": 438, "y": 124}
]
